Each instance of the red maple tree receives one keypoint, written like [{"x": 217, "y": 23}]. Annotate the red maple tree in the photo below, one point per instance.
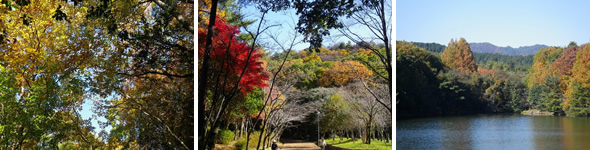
[{"x": 229, "y": 56}]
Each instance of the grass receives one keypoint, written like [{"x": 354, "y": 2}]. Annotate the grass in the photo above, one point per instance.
[{"x": 358, "y": 144}]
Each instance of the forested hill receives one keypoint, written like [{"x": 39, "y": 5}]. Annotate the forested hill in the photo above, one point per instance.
[
  {"x": 433, "y": 47},
  {"x": 486, "y": 48},
  {"x": 491, "y": 48},
  {"x": 487, "y": 60},
  {"x": 484, "y": 58}
]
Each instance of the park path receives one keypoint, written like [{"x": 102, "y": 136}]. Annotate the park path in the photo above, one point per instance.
[{"x": 297, "y": 144}]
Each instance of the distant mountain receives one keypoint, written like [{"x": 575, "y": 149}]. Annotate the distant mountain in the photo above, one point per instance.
[
  {"x": 486, "y": 48},
  {"x": 491, "y": 48}
]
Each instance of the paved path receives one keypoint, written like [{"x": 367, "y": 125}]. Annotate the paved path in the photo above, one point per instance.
[{"x": 297, "y": 144}]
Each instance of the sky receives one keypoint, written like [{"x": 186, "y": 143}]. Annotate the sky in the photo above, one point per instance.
[
  {"x": 500, "y": 22},
  {"x": 286, "y": 22},
  {"x": 87, "y": 112},
  {"x": 283, "y": 27}
]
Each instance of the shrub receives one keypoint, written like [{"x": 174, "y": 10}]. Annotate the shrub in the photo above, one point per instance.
[
  {"x": 225, "y": 137},
  {"x": 241, "y": 144}
]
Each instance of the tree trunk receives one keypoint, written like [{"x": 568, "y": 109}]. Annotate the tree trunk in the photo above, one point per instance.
[
  {"x": 268, "y": 133},
  {"x": 352, "y": 135},
  {"x": 387, "y": 52},
  {"x": 261, "y": 135},
  {"x": 368, "y": 132},
  {"x": 203, "y": 76}
]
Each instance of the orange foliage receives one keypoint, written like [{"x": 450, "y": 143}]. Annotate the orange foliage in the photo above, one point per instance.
[
  {"x": 458, "y": 56},
  {"x": 344, "y": 72},
  {"x": 580, "y": 74}
]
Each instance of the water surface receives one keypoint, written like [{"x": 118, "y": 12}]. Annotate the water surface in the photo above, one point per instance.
[{"x": 494, "y": 132}]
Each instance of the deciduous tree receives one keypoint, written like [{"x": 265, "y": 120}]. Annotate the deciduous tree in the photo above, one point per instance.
[{"x": 458, "y": 56}]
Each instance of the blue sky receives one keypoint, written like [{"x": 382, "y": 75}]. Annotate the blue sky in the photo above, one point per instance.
[
  {"x": 287, "y": 20},
  {"x": 502, "y": 23},
  {"x": 88, "y": 111}
]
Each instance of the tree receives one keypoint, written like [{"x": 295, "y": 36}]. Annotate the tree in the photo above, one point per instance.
[
  {"x": 237, "y": 67},
  {"x": 318, "y": 16},
  {"x": 335, "y": 112},
  {"x": 344, "y": 72},
  {"x": 306, "y": 71},
  {"x": 146, "y": 68},
  {"x": 433, "y": 47},
  {"x": 552, "y": 99},
  {"x": 45, "y": 58},
  {"x": 572, "y": 44},
  {"x": 578, "y": 103},
  {"x": 563, "y": 66},
  {"x": 364, "y": 106},
  {"x": 458, "y": 56},
  {"x": 579, "y": 81},
  {"x": 542, "y": 60},
  {"x": 417, "y": 82},
  {"x": 204, "y": 72},
  {"x": 372, "y": 16}
]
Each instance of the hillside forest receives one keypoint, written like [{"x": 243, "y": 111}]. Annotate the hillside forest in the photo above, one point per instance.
[
  {"x": 456, "y": 81},
  {"x": 255, "y": 87}
]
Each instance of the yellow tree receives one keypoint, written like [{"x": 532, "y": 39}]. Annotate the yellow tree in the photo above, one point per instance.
[
  {"x": 458, "y": 55},
  {"x": 580, "y": 73},
  {"x": 47, "y": 51},
  {"x": 541, "y": 63}
]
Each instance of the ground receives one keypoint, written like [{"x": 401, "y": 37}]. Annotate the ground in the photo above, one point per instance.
[
  {"x": 297, "y": 144},
  {"x": 348, "y": 143}
]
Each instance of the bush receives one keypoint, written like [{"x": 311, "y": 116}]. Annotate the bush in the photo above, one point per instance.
[
  {"x": 241, "y": 144},
  {"x": 577, "y": 111},
  {"x": 225, "y": 137},
  {"x": 254, "y": 139}
]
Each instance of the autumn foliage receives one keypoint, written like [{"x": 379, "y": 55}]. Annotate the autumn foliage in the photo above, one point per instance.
[
  {"x": 344, "y": 72},
  {"x": 458, "y": 56},
  {"x": 540, "y": 70},
  {"x": 565, "y": 63},
  {"x": 230, "y": 55},
  {"x": 580, "y": 75}
]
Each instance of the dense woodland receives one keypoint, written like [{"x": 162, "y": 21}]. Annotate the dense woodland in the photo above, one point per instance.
[
  {"x": 254, "y": 87},
  {"x": 132, "y": 59},
  {"x": 553, "y": 80}
]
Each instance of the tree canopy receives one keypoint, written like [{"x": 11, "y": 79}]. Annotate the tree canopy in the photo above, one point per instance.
[{"x": 458, "y": 56}]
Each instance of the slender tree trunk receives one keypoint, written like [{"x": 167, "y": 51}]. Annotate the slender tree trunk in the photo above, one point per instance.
[
  {"x": 352, "y": 135},
  {"x": 203, "y": 76},
  {"x": 387, "y": 51},
  {"x": 236, "y": 134},
  {"x": 333, "y": 135},
  {"x": 266, "y": 138},
  {"x": 260, "y": 136}
]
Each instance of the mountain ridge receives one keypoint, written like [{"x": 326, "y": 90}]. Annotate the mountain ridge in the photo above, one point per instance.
[{"x": 486, "y": 47}]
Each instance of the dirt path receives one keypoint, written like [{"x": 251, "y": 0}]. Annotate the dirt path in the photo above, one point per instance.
[{"x": 297, "y": 144}]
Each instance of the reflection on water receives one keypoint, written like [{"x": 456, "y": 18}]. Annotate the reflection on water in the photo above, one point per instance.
[{"x": 494, "y": 132}]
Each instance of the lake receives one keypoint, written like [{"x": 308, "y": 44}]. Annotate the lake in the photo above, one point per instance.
[{"x": 494, "y": 132}]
